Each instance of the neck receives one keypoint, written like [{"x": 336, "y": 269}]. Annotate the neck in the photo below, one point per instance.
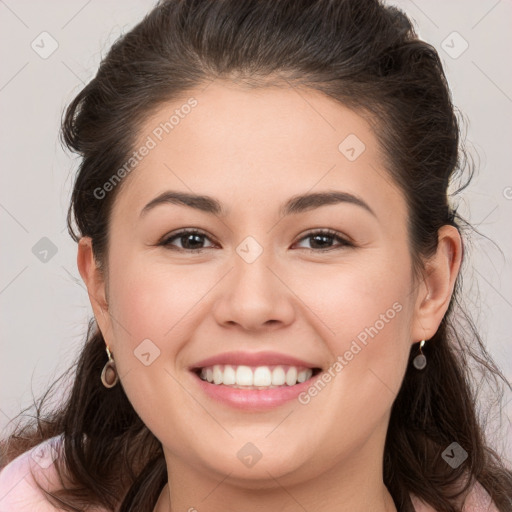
[
  {"x": 285, "y": 500},
  {"x": 353, "y": 485}
]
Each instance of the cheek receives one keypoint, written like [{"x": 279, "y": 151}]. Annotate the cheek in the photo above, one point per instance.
[
  {"x": 155, "y": 301},
  {"x": 358, "y": 308},
  {"x": 364, "y": 314},
  {"x": 153, "y": 318},
  {"x": 362, "y": 302},
  {"x": 365, "y": 299}
]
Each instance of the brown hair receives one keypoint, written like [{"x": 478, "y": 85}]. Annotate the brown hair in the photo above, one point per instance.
[{"x": 364, "y": 55}]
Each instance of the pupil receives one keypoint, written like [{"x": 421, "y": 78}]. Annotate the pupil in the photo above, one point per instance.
[
  {"x": 187, "y": 238},
  {"x": 319, "y": 240},
  {"x": 321, "y": 237}
]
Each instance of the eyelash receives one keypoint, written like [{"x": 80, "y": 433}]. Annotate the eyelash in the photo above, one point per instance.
[{"x": 166, "y": 242}]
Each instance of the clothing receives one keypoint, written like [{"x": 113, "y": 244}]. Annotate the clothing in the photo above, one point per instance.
[{"x": 19, "y": 493}]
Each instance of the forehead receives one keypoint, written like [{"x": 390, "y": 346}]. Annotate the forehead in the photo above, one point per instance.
[{"x": 256, "y": 146}]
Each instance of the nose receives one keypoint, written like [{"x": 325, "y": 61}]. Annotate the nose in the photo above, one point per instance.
[{"x": 254, "y": 295}]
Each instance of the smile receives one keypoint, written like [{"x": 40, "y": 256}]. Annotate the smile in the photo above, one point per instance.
[{"x": 259, "y": 377}]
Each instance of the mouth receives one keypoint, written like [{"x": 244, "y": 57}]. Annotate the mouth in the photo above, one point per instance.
[
  {"x": 255, "y": 377},
  {"x": 253, "y": 381}
]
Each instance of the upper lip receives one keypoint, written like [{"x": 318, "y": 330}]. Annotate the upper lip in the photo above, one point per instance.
[{"x": 253, "y": 359}]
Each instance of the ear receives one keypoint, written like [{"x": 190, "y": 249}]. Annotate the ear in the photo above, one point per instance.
[
  {"x": 94, "y": 280},
  {"x": 437, "y": 283}
]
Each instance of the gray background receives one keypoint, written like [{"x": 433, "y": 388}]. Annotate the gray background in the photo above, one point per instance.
[{"x": 44, "y": 305}]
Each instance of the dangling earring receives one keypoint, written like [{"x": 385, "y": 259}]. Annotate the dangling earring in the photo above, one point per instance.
[
  {"x": 420, "y": 361},
  {"x": 109, "y": 376}
]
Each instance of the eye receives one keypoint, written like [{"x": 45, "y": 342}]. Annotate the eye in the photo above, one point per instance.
[
  {"x": 190, "y": 240},
  {"x": 322, "y": 237}
]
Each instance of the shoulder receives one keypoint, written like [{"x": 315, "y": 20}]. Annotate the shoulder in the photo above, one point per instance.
[
  {"x": 18, "y": 489},
  {"x": 477, "y": 500}
]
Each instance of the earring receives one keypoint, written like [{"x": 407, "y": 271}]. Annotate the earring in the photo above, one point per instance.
[
  {"x": 420, "y": 361},
  {"x": 109, "y": 376}
]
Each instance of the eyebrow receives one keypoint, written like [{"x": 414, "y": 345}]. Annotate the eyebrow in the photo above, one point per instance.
[{"x": 296, "y": 204}]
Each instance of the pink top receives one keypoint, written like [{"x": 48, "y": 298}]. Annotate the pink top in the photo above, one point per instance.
[{"x": 19, "y": 493}]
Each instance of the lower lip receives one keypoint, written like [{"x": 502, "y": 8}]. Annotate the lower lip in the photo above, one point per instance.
[{"x": 253, "y": 399}]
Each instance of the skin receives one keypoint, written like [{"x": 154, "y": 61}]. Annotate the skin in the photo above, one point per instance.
[{"x": 252, "y": 150}]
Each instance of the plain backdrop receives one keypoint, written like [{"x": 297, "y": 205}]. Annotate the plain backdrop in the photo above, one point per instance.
[{"x": 51, "y": 49}]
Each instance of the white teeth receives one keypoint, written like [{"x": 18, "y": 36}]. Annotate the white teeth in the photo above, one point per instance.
[
  {"x": 217, "y": 375},
  {"x": 262, "y": 376},
  {"x": 244, "y": 376},
  {"x": 257, "y": 377},
  {"x": 291, "y": 376},
  {"x": 302, "y": 376},
  {"x": 229, "y": 377},
  {"x": 278, "y": 376}
]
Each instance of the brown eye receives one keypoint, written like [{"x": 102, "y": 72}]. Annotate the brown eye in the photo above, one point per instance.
[
  {"x": 322, "y": 240},
  {"x": 191, "y": 240}
]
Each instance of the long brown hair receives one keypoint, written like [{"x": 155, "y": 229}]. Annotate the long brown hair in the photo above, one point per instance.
[{"x": 362, "y": 54}]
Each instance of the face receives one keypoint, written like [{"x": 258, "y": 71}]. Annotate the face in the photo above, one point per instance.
[{"x": 322, "y": 286}]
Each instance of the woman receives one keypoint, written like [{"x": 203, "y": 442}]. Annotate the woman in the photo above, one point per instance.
[{"x": 273, "y": 263}]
